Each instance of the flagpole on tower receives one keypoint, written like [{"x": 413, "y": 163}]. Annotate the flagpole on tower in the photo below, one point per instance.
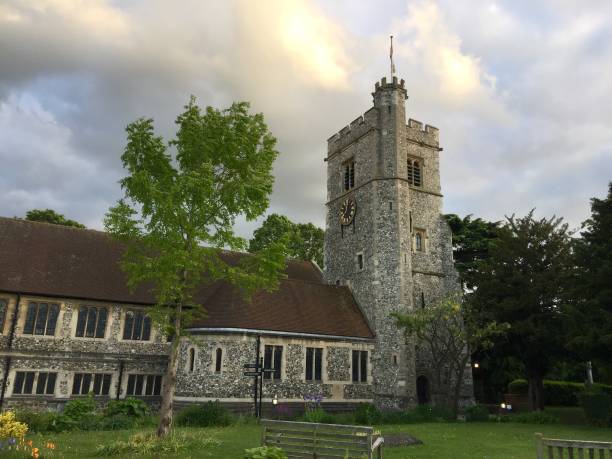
[{"x": 391, "y": 58}]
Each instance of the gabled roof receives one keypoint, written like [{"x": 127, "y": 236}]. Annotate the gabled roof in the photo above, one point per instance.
[{"x": 59, "y": 261}]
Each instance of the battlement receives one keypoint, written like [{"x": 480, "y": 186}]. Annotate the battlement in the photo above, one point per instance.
[
  {"x": 348, "y": 134},
  {"x": 382, "y": 84},
  {"x": 427, "y": 134}
]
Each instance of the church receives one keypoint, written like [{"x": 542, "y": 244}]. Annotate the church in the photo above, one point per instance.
[{"x": 70, "y": 326}]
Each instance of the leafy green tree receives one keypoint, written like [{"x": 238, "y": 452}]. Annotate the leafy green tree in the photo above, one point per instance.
[
  {"x": 593, "y": 285},
  {"x": 304, "y": 241},
  {"x": 472, "y": 240},
  {"x": 51, "y": 216},
  {"x": 523, "y": 283},
  {"x": 310, "y": 244},
  {"x": 178, "y": 214},
  {"x": 448, "y": 331}
]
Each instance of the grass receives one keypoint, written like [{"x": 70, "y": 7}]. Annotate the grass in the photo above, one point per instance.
[{"x": 441, "y": 440}]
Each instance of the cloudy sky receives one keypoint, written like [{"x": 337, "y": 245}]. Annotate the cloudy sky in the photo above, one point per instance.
[{"x": 521, "y": 91}]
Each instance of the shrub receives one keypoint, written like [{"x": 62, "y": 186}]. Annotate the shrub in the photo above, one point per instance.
[
  {"x": 130, "y": 406},
  {"x": 149, "y": 445},
  {"x": 534, "y": 417},
  {"x": 80, "y": 408},
  {"x": 476, "y": 413},
  {"x": 38, "y": 421},
  {"x": 208, "y": 414},
  {"x": 10, "y": 427},
  {"x": 265, "y": 452},
  {"x": 557, "y": 393},
  {"x": 597, "y": 406},
  {"x": 367, "y": 414}
]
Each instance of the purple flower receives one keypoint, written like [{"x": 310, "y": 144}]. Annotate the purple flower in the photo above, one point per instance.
[{"x": 12, "y": 441}]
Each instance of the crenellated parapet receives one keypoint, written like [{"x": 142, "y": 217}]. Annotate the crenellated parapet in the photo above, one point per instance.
[
  {"x": 423, "y": 134},
  {"x": 393, "y": 84},
  {"x": 349, "y": 134}
]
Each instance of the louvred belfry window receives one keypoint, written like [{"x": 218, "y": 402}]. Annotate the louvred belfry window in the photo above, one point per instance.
[
  {"x": 414, "y": 172},
  {"x": 349, "y": 175}
]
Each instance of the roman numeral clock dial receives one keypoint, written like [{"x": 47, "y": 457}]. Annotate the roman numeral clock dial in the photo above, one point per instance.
[{"x": 347, "y": 212}]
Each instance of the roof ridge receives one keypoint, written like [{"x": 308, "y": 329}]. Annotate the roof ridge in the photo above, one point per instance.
[
  {"x": 106, "y": 233},
  {"x": 55, "y": 225}
]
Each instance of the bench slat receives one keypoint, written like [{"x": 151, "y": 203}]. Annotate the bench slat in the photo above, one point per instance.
[
  {"x": 320, "y": 452},
  {"x": 314, "y": 426},
  {"x": 311, "y": 441},
  {"x": 305, "y": 433}
]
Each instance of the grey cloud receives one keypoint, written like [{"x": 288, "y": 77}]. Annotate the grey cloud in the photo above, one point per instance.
[{"x": 536, "y": 119}]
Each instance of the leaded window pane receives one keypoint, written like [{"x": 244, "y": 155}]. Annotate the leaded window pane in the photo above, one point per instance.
[
  {"x": 309, "y": 353},
  {"x": 28, "y": 327},
  {"x": 51, "y": 383},
  {"x": 318, "y": 360},
  {"x": 81, "y": 321},
  {"x": 106, "y": 381},
  {"x": 158, "y": 384},
  {"x": 76, "y": 383},
  {"x": 101, "y": 326},
  {"x": 18, "y": 384},
  {"x": 130, "y": 385},
  {"x": 41, "y": 319},
  {"x": 2, "y": 314},
  {"x": 129, "y": 325},
  {"x": 364, "y": 366},
  {"x": 86, "y": 387},
  {"x": 28, "y": 384},
  {"x": 146, "y": 328},
  {"x": 355, "y": 366},
  {"x": 52, "y": 314},
  {"x": 41, "y": 384},
  {"x": 139, "y": 384},
  {"x": 218, "y": 359}
]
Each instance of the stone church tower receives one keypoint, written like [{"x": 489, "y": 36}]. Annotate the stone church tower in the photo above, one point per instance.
[{"x": 385, "y": 236}]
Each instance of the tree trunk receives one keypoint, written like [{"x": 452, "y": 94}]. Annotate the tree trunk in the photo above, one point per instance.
[
  {"x": 169, "y": 381},
  {"x": 459, "y": 384},
  {"x": 536, "y": 392}
]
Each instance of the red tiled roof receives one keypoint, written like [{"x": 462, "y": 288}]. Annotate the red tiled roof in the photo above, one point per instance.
[{"x": 52, "y": 260}]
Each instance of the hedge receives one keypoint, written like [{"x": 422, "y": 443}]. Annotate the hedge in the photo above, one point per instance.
[{"x": 557, "y": 393}]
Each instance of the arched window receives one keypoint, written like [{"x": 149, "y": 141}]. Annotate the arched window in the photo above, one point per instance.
[
  {"x": 418, "y": 242},
  {"x": 218, "y": 360},
  {"x": 414, "y": 172},
  {"x": 191, "y": 360}
]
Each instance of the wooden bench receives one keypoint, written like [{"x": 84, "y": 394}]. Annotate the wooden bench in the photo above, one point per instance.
[
  {"x": 322, "y": 441},
  {"x": 552, "y": 448}
]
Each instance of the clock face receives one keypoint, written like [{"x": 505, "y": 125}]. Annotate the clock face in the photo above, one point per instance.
[{"x": 347, "y": 212}]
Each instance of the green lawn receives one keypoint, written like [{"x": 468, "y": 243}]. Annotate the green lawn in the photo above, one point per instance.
[{"x": 441, "y": 440}]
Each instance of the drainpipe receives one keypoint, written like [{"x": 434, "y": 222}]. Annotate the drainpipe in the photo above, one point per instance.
[
  {"x": 7, "y": 362},
  {"x": 119, "y": 380}
]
